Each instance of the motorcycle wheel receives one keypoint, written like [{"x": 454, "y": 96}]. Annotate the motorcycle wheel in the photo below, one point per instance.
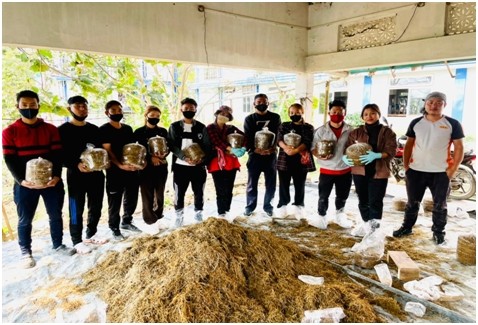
[{"x": 463, "y": 184}]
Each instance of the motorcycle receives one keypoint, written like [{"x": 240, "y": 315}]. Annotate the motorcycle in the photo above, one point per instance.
[{"x": 463, "y": 183}]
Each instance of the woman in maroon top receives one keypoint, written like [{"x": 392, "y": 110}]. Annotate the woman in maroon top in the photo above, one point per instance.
[{"x": 224, "y": 163}]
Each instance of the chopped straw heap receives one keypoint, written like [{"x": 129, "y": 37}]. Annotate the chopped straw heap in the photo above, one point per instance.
[{"x": 218, "y": 272}]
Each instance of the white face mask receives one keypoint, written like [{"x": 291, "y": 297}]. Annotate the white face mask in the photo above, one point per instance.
[{"x": 222, "y": 119}]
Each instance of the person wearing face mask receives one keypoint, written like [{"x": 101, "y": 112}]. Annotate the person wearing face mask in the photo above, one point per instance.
[
  {"x": 181, "y": 134},
  {"x": 333, "y": 171},
  {"x": 224, "y": 163},
  {"x": 289, "y": 163},
  {"x": 29, "y": 138},
  {"x": 153, "y": 177},
  {"x": 261, "y": 161},
  {"x": 75, "y": 136},
  {"x": 122, "y": 180},
  {"x": 371, "y": 179}
]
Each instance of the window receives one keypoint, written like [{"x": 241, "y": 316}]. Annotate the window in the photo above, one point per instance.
[
  {"x": 398, "y": 102},
  {"x": 247, "y": 104},
  {"x": 403, "y": 102},
  {"x": 211, "y": 73},
  {"x": 341, "y": 95}
]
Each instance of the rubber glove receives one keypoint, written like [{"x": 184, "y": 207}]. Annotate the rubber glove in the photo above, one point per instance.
[
  {"x": 370, "y": 156},
  {"x": 238, "y": 152},
  {"x": 347, "y": 161}
]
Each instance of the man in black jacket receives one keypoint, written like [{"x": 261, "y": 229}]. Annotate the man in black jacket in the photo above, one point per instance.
[
  {"x": 261, "y": 161},
  {"x": 182, "y": 134}
]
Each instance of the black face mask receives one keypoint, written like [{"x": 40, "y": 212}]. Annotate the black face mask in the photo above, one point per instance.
[
  {"x": 189, "y": 114},
  {"x": 79, "y": 118},
  {"x": 262, "y": 107},
  {"x": 295, "y": 118},
  {"x": 116, "y": 117},
  {"x": 29, "y": 113},
  {"x": 153, "y": 120}
]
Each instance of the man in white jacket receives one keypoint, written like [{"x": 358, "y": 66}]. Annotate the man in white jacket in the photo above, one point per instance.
[{"x": 333, "y": 171}]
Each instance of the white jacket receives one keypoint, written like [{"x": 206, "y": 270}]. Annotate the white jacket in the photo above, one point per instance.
[{"x": 324, "y": 132}]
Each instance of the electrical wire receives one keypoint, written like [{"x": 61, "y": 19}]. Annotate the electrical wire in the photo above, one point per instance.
[
  {"x": 406, "y": 28},
  {"x": 205, "y": 38}
]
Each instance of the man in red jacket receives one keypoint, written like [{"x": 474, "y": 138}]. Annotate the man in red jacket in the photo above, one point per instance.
[{"x": 30, "y": 138}]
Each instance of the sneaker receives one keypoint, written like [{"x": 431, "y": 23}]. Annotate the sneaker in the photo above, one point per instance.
[
  {"x": 130, "y": 227},
  {"x": 374, "y": 224},
  {"x": 281, "y": 212},
  {"x": 96, "y": 240},
  {"x": 63, "y": 250},
  {"x": 222, "y": 216},
  {"x": 361, "y": 229},
  {"x": 270, "y": 213},
  {"x": 198, "y": 216},
  {"x": 438, "y": 238},
  {"x": 247, "y": 213},
  {"x": 27, "y": 261},
  {"x": 82, "y": 248},
  {"x": 402, "y": 232},
  {"x": 342, "y": 220},
  {"x": 117, "y": 235}
]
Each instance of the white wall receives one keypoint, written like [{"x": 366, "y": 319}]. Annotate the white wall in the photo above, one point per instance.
[{"x": 169, "y": 31}]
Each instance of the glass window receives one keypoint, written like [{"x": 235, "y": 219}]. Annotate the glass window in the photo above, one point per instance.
[
  {"x": 341, "y": 95},
  {"x": 247, "y": 104},
  {"x": 398, "y": 102}
]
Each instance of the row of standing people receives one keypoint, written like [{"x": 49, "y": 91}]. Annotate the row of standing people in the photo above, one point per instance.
[{"x": 122, "y": 180}]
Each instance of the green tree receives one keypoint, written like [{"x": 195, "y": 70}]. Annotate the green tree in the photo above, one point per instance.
[{"x": 135, "y": 82}]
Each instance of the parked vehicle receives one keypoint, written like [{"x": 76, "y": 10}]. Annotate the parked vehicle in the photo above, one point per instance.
[{"x": 463, "y": 183}]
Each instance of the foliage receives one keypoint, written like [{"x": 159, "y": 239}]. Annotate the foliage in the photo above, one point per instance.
[
  {"x": 56, "y": 75},
  {"x": 354, "y": 119}
]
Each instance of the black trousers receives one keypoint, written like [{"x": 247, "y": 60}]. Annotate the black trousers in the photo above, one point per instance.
[
  {"x": 257, "y": 164},
  {"x": 121, "y": 188},
  {"x": 370, "y": 193},
  {"x": 224, "y": 183},
  {"x": 152, "y": 184},
  {"x": 417, "y": 183},
  {"x": 342, "y": 189},
  {"x": 298, "y": 176},
  {"x": 182, "y": 176},
  {"x": 82, "y": 186}
]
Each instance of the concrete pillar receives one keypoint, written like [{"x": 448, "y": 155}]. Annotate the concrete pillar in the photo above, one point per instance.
[{"x": 304, "y": 90}]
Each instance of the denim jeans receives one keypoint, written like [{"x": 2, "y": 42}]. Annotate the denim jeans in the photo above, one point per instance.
[
  {"x": 417, "y": 183},
  {"x": 256, "y": 165},
  {"x": 26, "y": 200}
]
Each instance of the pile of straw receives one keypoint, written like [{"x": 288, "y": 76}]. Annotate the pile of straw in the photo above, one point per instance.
[{"x": 218, "y": 272}]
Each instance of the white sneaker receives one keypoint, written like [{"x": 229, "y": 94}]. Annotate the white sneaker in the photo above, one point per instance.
[
  {"x": 342, "y": 220},
  {"x": 198, "y": 216},
  {"x": 281, "y": 212},
  {"x": 318, "y": 222},
  {"x": 82, "y": 248}
]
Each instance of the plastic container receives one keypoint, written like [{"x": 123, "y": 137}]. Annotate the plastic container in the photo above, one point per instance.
[{"x": 39, "y": 171}]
